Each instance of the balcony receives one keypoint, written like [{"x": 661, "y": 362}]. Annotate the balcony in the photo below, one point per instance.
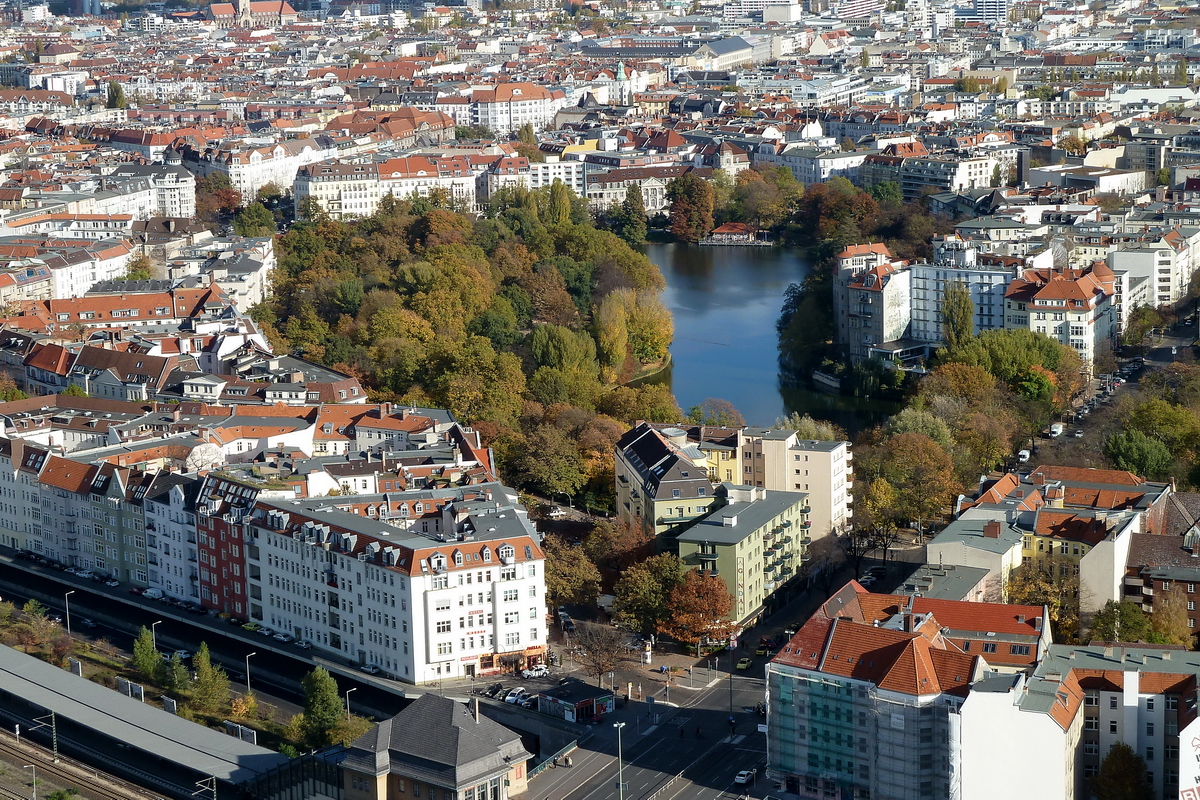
[
  {"x": 805, "y": 557},
  {"x": 707, "y": 556},
  {"x": 151, "y": 527},
  {"x": 1148, "y": 591},
  {"x": 805, "y": 525}
]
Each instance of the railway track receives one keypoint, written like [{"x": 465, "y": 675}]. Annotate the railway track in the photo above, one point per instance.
[{"x": 69, "y": 773}]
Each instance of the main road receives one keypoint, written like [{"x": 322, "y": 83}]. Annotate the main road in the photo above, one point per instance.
[{"x": 690, "y": 749}]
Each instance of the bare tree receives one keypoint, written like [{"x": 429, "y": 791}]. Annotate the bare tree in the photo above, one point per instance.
[
  {"x": 600, "y": 649},
  {"x": 856, "y": 543},
  {"x": 826, "y": 557}
]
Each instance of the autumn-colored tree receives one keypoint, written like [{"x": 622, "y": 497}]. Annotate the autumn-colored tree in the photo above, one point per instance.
[
  {"x": 618, "y": 545},
  {"x": 716, "y": 412},
  {"x": 1119, "y": 621},
  {"x": 1169, "y": 622},
  {"x": 921, "y": 472},
  {"x": 1052, "y": 583},
  {"x": 691, "y": 209},
  {"x": 700, "y": 609},
  {"x": 571, "y": 577}
]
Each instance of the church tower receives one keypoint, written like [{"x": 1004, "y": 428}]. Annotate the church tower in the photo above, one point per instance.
[{"x": 244, "y": 20}]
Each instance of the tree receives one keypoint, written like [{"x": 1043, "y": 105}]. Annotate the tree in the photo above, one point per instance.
[
  {"x": 571, "y": 577},
  {"x": 558, "y": 204},
  {"x": 958, "y": 315},
  {"x": 322, "y": 707},
  {"x": 691, "y": 208},
  {"x": 73, "y": 391},
  {"x": 913, "y": 420},
  {"x": 887, "y": 193},
  {"x": 550, "y": 462},
  {"x": 643, "y": 593},
  {"x": 138, "y": 268},
  {"x": 700, "y": 609},
  {"x": 633, "y": 216},
  {"x": 254, "y": 220},
  {"x": 848, "y": 145},
  {"x": 116, "y": 96},
  {"x": 618, "y": 544},
  {"x": 1122, "y": 776},
  {"x": 211, "y": 689},
  {"x": 473, "y": 132},
  {"x": 1119, "y": 621},
  {"x": 601, "y": 649},
  {"x": 1142, "y": 320},
  {"x": 1052, "y": 583},
  {"x": 716, "y": 412},
  {"x": 175, "y": 678},
  {"x": 967, "y": 85},
  {"x": 526, "y": 135},
  {"x": 1169, "y": 622},
  {"x": 146, "y": 659},
  {"x": 1162, "y": 177},
  {"x": 1134, "y": 451},
  {"x": 1072, "y": 144},
  {"x": 826, "y": 557},
  {"x": 808, "y": 428}
]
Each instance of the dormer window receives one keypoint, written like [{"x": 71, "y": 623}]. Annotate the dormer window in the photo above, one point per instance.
[
  {"x": 506, "y": 551},
  {"x": 487, "y": 554},
  {"x": 458, "y": 559}
]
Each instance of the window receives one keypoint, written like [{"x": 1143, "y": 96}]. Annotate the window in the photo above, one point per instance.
[
  {"x": 1112, "y": 701},
  {"x": 1149, "y": 728},
  {"x": 1149, "y": 754},
  {"x": 443, "y": 626},
  {"x": 511, "y": 594},
  {"x": 989, "y": 647},
  {"x": 1112, "y": 726},
  {"x": 1172, "y": 702},
  {"x": 1018, "y": 649},
  {"x": 1091, "y": 699},
  {"x": 444, "y": 648},
  {"x": 1149, "y": 703},
  {"x": 1091, "y": 748},
  {"x": 1091, "y": 724}
]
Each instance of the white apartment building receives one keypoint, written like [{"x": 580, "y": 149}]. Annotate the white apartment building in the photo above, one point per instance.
[
  {"x": 1167, "y": 263},
  {"x": 1078, "y": 703},
  {"x": 422, "y": 585},
  {"x": 520, "y": 171},
  {"x": 811, "y": 164},
  {"x": 347, "y": 191},
  {"x": 168, "y": 504},
  {"x": 173, "y": 187},
  {"x": 508, "y": 106},
  {"x": 779, "y": 460},
  {"x": 21, "y": 495},
  {"x": 956, "y": 261},
  {"x": 879, "y": 309},
  {"x": 1074, "y": 307},
  {"x": 250, "y": 168}
]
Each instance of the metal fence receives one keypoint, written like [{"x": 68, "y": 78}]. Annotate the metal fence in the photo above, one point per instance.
[{"x": 540, "y": 768}]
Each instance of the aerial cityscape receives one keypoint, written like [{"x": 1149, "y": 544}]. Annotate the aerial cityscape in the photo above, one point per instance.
[{"x": 639, "y": 400}]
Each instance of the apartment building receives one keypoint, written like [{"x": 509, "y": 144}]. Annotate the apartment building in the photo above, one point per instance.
[
  {"x": 351, "y": 190},
  {"x": 513, "y": 171},
  {"x": 1157, "y": 564},
  {"x": 169, "y": 509},
  {"x": 1075, "y": 307},
  {"x": 222, "y": 510},
  {"x": 879, "y": 311},
  {"x": 865, "y": 703},
  {"x": 1167, "y": 263},
  {"x": 662, "y": 481},
  {"x": 508, "y": 106},
  {"x": 1078, "y": 702},
  {"x": 780, "y": 460},
  {"x": 423, "y": 585},
  {"x": 173, "y": 186},
  {"x": 851, "y": 264},
  {"x": 756, "y": 542}
]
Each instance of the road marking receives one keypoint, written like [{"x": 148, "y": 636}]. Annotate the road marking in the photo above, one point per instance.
[{"x": 628, "y": 764}]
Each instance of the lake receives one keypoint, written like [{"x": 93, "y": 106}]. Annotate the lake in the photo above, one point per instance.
[{"x": 725, "y": 301}]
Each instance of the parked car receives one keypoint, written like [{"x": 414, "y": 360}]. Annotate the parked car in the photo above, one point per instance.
[
  {"x": 304, "y": 645},
  {"x": 153, "y": 594},
  {"x": 250, "y": 626},
  {"x": 539, "y": 671},
  {"x": 762, "y": 650},
  {"x": 184, "y": 655},
  {"x": 112, "y": 583},
  {"x": 370, "y": 669},
  {"x": 743, "y": 777},
  {"x": 85, "y": 622},
  {"x": 515, "y": 695},
  {"x": 877, "y": 571},
  {"x": 1077, "y": 433},
  {"x": 265, "y": 632},
  {"x": 87, "y": 573},
  {"x": 569, "y": 626},
  {"x": 745, "y": 663},
  {"x": 283, "y": 637},
  {"x": 556, "y": 512}
]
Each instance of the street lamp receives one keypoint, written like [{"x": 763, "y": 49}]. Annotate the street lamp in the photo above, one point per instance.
[
  {"x": 564, "y": 494},
  {"x": 348, "y": 691},
  {"x": 620, "y": 765},
  {"x": 248, "y": 670},
  {"x": 67, "y": 601},
  {"x": 154, "y": 634},
  {"x": 34, "y": 768}
]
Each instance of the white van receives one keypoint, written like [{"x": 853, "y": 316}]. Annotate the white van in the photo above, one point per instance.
[
  {"x": 152, "y": 594},
  {"x": 1023, "y": 456}
]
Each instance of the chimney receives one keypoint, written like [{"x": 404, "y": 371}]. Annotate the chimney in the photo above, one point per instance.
[
  {"x": 991, "y": 529},
  {"x": 1020, "y": 619},
  {"x": 176, "y": 414},
  {"x": 385, "y": 409},
  {"x": 1037, "y": 623},
  {"x": 1037, "y": 479}
]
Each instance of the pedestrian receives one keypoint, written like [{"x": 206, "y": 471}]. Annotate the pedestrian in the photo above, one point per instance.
[
  {"x": 680, "y": 731},
  {"x": 698, "y": 735}
]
